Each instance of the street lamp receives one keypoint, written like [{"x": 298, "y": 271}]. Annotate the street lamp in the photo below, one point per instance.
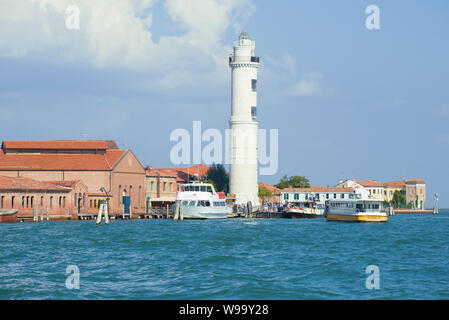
[{"x": 102, "y": 189}]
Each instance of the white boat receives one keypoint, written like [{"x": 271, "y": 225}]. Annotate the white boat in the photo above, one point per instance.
[
  {"x": 355, "y": 209},
  {"x": 199, "y": 200},
  {"x": 304, "y": 209}
]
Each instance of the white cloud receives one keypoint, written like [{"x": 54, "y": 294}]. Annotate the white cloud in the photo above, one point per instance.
[
  {"x": 117, "y": 33},
  {"x": 309, "y": 85}
]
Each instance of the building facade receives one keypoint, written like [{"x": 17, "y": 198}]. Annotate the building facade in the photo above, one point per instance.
[
  {"x": 391, "y": 187},
  {"x": 319, "y": 194},
  {"x": 97, "y": 163},
  {"x": 161, "y": 187},
  {"x": 61, "y": 200},
  {"x": 369, "y": 189},
  {"x": 416, "y": 193}
]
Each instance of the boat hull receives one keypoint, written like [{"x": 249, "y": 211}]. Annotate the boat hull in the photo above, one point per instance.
[
  {"x": 356, "y": 218},
  {"x": 189, "y": 212},
  {"x": 299, "y": 215}
]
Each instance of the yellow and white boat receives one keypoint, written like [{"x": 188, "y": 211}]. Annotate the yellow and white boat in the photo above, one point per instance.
[{"x": 355, "y": 209}]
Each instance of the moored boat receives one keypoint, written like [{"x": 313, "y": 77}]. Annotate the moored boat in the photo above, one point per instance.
[
  {"x": 355, "y": 209},
  {"x": 304, "y": 209},
  {"x": 199, "y": 200}
]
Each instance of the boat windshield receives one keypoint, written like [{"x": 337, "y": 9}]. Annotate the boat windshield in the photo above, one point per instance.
[{"x": 197, "y": 188}]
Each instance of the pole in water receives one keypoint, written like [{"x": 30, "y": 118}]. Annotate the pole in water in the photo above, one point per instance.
[
  {"x": 35, "y": 215},
  {"x": 181, "y": 214},
  {"x": 106, "y": 212},
  {"x": 176, "y": 214},
  {"x": 100, "y": 211}
]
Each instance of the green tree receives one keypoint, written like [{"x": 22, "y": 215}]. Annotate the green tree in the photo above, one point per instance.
[
  {"x": 220, "y": 178},
  {"x": 398, "y": 199},
  {"x": 264, "y": 193},
  {"x": 293, "y": 182}
]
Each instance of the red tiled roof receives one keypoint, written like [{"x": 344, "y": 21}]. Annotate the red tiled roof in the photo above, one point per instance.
[
  {"x": 22, "y": 183},
  {"x": 318, "y": 189},
  {"x": 162, "y": 172},
  {"x": 199, "y": 169},
  {"x": 369, "y": 183},
  {"x": 59, "y": 145},
  {"x": 416, "y": 180},
  {"x": 60, "y": 161},
  {"x": 273, "y": 189},
  {"x": 394, "y": 184}
]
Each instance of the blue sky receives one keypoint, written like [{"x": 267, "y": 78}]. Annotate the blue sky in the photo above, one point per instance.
[{"x": 348, "y": 102}]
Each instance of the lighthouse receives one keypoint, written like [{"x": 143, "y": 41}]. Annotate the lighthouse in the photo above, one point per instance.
[{"x": 243, "y": 122}]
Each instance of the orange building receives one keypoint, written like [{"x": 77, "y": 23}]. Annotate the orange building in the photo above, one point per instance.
[
  {"x": 60, "y": 200},
  {"x": 96, "y": 163}
]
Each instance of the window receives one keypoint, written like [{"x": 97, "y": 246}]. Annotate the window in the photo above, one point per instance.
[
  {"x": 42, "y": 201},
  {"x": 152, "y": 186},
  {"x": 90, "y": 203},
  {"x": 3, "y": 199},
  {"x": 165, "y": 186},
  {"x": 327, "y": 195},
  {"x": 12, "y": 201},
  {"x": 296, "y": 196},
  {"x": 342, "y": 195},
  {"x": 51, "y": 202},
  {"x": 254, "y": 84},
  {"x": 254, "y": 112},
  {"x": 285, "y": 196},
  {"x": 23, "y": 202},
  {"x": 63, "y": 202},
  {"x": 171, "y": 186},
  {"x": 335, "y": 196}
]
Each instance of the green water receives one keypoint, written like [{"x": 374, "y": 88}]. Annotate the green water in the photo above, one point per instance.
[{"x": 227, "y": 259}]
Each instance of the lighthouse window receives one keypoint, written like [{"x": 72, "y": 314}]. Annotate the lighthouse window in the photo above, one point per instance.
[
  {"x": 254, "y": 112},
  {"x": 254, "y": 84}
]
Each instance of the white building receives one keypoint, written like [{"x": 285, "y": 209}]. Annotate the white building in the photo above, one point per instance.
[
  {"x": 318, "y": 194},
  {"x": 243, "y": 122},
  {"x": 369, "y": 189}
]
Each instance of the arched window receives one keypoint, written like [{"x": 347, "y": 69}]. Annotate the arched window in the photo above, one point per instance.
[
  {"x": 3, "y": 199},
  {"x": 51, "y": 202},
  {"x": 12, "y": 201},
  {"x": 84, "y": 201},
  {"x": 28, "y": 201},
  {"x": 63, "y": 202},
  {"x": 119, "y": 195},
  {"x": 23, "y": 201},
  {"x": 42, "y": 201},
  {"x": 74, "y": 200},
  {"x": 32, "y": 202},
  {"x": 140, "y": 191},
  {"x": 60, "y": 201}
]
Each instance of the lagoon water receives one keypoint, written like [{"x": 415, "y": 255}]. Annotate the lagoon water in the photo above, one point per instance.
[{"x": 227, "y": 259}]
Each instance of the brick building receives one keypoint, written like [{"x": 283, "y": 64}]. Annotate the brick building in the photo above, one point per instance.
[
  {"x": 415, "y": 193},
  {"x": 61, "y": 200},
  {"x": 96, "y": 163}
]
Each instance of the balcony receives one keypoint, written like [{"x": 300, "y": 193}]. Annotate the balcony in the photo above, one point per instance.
[{"x": 243, "y": 59}]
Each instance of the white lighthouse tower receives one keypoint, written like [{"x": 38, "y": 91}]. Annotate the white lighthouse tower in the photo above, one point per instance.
[{"x": 244, "y": 123}]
